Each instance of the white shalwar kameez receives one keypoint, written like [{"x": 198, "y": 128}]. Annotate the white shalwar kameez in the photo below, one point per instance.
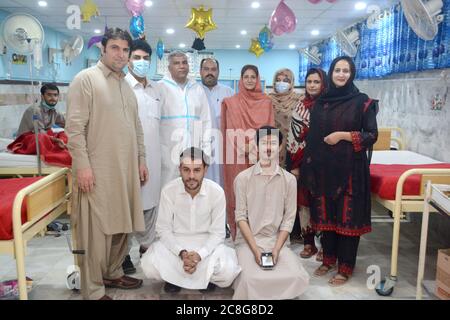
[
  {"x": 193, "y": 224},
  {"x": 215, "y": 97}
]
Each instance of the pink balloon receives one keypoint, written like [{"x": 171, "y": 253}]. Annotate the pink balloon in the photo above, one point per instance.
[
  {"x": 331, "y": 1},
  {"x": 135, "y": 7},
  {"x": 283, "y": 20},
  {"x": 314, "y": 1}
]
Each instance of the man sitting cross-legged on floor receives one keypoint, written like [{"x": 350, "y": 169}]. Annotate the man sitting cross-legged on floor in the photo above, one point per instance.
[{"x": 190, "y": 252}]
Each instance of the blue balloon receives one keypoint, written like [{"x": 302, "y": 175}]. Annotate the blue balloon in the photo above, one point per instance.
[
  {"x": 268, "y": 46},
  {"x": 137, "y": 26},
  {"x": 160, "y": 49},
  {"x": 265, "y": 36}
]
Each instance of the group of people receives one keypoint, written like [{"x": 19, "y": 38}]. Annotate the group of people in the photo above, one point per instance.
[{"x": 174, "y": 162}]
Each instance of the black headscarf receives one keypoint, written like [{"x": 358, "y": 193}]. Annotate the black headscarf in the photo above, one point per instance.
[{"x": 325, "y": 168}]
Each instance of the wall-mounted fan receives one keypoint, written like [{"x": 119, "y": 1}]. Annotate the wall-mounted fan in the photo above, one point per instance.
[
  {"x": 312, "y": 54},
  {"x": 22, "y": 33},
  {"x": 72, "y": 49},
  {"x": 423, "y": 16},
  {"x": 372, "y": 21},
  {"x": 348, "y": 41}
]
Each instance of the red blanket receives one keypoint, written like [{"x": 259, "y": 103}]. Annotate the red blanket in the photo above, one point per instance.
[
  {"x": 384, "y": 178},
  {"x": 8, "y": 191},
  {"x": 52, "y": 153}
]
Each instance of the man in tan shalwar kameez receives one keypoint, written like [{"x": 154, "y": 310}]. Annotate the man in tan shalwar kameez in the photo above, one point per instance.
[
  {"x": 266, "y": 204},
  {"x": 106, "y": 144}
]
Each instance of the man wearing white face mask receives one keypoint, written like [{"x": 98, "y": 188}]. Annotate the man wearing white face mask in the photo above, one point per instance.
[
  {"x": 148, "y": 97},
  {"x": 284, "y": 100}
]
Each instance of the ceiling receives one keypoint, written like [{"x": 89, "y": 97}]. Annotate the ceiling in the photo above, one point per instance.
[{"x": 230, "y": 16}]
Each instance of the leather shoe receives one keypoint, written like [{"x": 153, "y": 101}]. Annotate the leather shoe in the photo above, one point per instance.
[
  {"x": 105, "y": 297},
  {"x": 124, "y": 282},
  {"x": 171, "y": 288}
]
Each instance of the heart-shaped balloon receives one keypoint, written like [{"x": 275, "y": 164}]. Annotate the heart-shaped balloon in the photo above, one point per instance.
[
  {"x": 283, "y": 20},
  {"x": 135, "y": 7}
]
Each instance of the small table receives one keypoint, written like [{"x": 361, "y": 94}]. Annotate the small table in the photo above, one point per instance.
[{"x": 436, "y": 198}]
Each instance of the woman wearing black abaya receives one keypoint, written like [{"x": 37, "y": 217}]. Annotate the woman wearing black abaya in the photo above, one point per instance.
[{"x": 335, "y": 169}]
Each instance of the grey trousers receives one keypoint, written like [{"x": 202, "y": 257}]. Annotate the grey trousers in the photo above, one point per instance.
[{"x": 146, "y": 237}]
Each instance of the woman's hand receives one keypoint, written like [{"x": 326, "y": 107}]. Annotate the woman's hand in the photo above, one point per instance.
[{"x": 333, "y": 138}]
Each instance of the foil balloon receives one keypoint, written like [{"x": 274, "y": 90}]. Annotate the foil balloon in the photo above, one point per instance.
[
  {"x": 283, "y": 20},
  {"x": 201, "y": 21},
  {"x": 88, "y": 10},
  {"x": 137, "y": 26},
  {"x": 135, "y": 7},
  {"x": 265, "y": 39},
  {"x": 198, "y": 44},
  {"x": 96, "y": 39},
  {"x": 255, "y": 48},
  {"x": 160, "y": 49}
]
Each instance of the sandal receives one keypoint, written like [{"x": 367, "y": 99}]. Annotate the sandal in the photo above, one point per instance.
[
  {"x": 308, "y": 251},
  {"x": 319, "y": 256},
  {"x": 338, "y": 280},
  {"x": 323, "y": 270}
]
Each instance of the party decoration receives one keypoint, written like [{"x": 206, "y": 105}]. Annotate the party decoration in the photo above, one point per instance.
[
  {"x": 160, "y": 49},
  {"x": 198, "y": 44},
  {"x": 201, "y": 21},
  {"x": 283, "y": 20},
  {"x": 96, "y": 39},
  {"x": 88, "y": 10},
  {"x": 135, "y": 7},
  {"x": 265, "y": 39},
  {"x": 255, "y": 48},
  {"x": 137, "y": 26}
]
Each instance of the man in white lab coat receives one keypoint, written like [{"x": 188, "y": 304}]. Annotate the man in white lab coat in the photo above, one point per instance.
[
  {"x": 190, "y": 252},
  {"x": 148, "y": 98},
  {"x": 216, "y": 92},
  {"x": 185, "y": 116}
]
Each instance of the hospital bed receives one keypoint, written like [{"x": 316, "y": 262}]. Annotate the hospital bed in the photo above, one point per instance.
[
  {"x": 36, "y": 202},
  {"x": 19, "y": 165},
  {"x": 398, "y": 179}
]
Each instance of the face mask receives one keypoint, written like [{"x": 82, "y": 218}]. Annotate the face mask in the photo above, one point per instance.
[
  {"x": 47, "y": 106},
  {"x": 141, "y": 68},
  {"x": 282, "y": 87}
]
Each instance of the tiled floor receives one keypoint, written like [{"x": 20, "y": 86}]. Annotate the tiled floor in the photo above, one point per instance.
[{"x": 48, "y": 260}]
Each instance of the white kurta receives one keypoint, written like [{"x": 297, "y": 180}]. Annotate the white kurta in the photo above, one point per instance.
[
  {"x": 215, "y": 97},
  {"x": 149, "y": 107},
  {"x": 186, "y": 223},
  {"x": 185, "y": 122}
]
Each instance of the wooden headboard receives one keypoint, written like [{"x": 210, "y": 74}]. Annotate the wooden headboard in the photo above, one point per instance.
[{"x": 388, "y": 135}]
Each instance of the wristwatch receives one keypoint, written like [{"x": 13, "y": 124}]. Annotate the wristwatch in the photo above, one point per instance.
[{"x": 181, "y": 253}]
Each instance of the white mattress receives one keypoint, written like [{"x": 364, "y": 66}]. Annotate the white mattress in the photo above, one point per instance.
[
  {"x": 11, "y": 160},
  {"x": 400, "y": 157}
]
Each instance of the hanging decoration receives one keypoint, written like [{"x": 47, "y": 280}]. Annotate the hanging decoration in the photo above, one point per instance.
[
  {"x": 96, "y": 39},
  {"x": 201, "y": 21},
  {"x": 198, "y": 44},
  {"x": 88, "y": 10},
  {"x": 283, "y": 20},
  {"x": 255, "y": 48},
  {"x": 265, "y": 39},
  {"x": 135, "y": 7},
  {"x": 160, "y": 49},
  {"x": 137, "y": 26}
]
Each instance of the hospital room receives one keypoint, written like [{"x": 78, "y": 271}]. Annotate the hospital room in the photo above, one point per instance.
[{"x": 225, "y": 150}]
